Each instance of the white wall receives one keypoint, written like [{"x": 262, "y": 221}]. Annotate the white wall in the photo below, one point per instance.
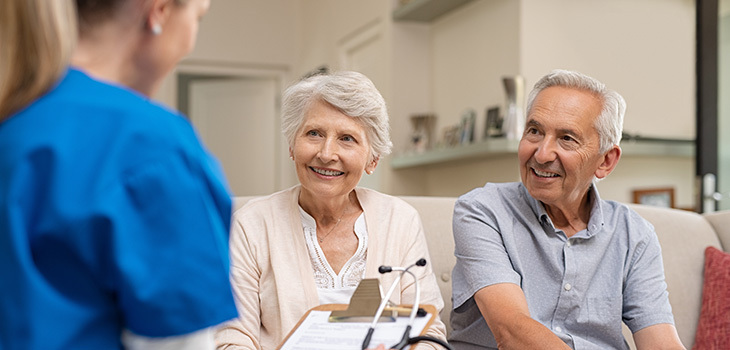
[
  {"x": 473, "y": 47},
  {"x": 251, "y": 32},
  {"x": 642, "y": 48},
  {"x": 328, "y": 23},
  {"x": 250, "y": 39}
]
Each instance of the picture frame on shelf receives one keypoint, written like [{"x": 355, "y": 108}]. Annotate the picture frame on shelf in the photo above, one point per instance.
[
  {"x": 658, "y": 197},
  {"x": 493, "y": 125},
  {"x": 451, "y": 135},
  {"x": 468, "y": 119}
]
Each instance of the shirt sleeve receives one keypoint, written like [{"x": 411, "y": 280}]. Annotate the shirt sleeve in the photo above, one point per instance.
[
  {"x": 481, "y": 254},
  {"x": 198, "y": 340},
  {"x": 243, "y": 332},
  {"x": 645, "y": 297},
  {"x": 169, "y": 247}
]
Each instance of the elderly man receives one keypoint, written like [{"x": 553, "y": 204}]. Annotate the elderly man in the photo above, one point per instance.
[{"x": 545, "y": 263}]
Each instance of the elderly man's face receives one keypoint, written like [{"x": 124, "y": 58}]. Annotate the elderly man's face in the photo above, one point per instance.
[{"x": 559, "y": 150}]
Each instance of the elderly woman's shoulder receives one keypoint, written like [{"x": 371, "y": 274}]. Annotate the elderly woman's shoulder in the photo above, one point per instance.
[
  {"x": 275, "y": 202},
  {"x": 370, "y": 197}
]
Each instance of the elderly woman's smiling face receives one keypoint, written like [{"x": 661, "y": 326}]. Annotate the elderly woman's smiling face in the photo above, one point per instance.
[{"x": 331, "y": 151}]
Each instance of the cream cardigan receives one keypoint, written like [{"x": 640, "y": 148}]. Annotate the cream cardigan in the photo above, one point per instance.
[{"x": 272, "y": 275}]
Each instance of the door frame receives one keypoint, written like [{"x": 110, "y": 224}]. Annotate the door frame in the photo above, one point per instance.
[
  {"x": 706, "y": 157},
  {"x": 197, "y": 69}
]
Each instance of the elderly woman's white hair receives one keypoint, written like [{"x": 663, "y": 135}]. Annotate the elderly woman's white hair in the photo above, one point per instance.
[
  {"x": 350, "y": 92},
  {"x": 610, "y": 122}
]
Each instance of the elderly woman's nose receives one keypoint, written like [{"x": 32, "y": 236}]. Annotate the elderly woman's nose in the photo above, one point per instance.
[{"x": 328, "y": 150}]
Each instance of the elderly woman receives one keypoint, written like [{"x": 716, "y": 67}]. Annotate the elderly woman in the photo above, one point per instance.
[
  {"x": 313, "y": 243},
  {"x": 114, "y": 220}
]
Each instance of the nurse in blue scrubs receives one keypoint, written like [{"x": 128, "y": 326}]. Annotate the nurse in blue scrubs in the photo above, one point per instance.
[{"x": 113, "y": 217}]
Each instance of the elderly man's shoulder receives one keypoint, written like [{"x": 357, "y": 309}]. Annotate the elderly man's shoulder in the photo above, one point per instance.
[
  {"x": 493, "y": 191},
  {"x": 621, "y": 212},
  {"x": 621, "y": 209}
]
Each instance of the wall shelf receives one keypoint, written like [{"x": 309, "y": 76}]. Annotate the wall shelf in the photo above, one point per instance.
[
  {"x": 425, "y": 10},
  {"x": 497, "y": 147}
]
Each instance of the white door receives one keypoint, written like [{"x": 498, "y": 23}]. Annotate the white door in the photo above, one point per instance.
[{"x": 237, "y": 120}]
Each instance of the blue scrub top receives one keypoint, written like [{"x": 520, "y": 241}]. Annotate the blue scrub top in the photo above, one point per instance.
[{"x": 112, "y": 217}]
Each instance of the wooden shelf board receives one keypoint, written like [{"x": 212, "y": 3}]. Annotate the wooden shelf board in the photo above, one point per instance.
[
  {"x": 498, "y": 147},
  {"x": 426, "y": 10}
]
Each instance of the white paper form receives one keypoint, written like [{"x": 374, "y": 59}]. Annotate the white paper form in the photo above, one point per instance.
[{"x": 317, "y": 333}]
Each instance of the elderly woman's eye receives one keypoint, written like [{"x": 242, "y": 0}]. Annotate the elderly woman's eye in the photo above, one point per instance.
[
  {"x": 312, "y": 133},
  {"x": 348, "y": 138}
]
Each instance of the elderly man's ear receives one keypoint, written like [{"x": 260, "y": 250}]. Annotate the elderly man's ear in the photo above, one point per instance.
[{"x": 610, "y": 160}]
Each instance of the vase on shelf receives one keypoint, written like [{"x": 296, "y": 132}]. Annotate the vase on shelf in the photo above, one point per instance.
[{"x": 514, "y": 117}]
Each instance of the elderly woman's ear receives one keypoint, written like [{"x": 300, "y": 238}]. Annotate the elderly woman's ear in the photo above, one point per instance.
[{"x": 371, "y": 166}]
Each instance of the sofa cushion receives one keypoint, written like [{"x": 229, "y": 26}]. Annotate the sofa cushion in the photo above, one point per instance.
[
  {"x": 721, "y": 222},
  {"x": 436, "y": 214},
  {"x": 713, "y": 331}
]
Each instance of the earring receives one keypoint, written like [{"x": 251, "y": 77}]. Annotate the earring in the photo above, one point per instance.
[
  {"x": 291, "y": 157},
  {"x": 369, "y": 172},
  {"x": 156, "y": 29}
]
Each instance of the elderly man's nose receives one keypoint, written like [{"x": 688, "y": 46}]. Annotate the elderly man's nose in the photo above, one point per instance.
[{"x": 545, "y": 151}]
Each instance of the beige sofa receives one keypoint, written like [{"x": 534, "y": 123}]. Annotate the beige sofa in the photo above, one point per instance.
[{"x": 683, "y": 235}]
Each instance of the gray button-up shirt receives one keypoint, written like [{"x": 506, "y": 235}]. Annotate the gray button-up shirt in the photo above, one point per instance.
[{"x": 581, "y": 287}]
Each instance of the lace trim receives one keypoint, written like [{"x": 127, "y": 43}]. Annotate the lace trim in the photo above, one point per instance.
[{"x": 324, "y": 276}]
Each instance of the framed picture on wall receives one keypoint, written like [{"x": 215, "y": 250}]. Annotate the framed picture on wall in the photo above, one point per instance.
[{"x": 658, "y": 197}]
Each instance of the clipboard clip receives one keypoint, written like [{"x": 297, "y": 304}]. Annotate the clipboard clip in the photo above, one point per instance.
[{"x": 364, "y": 304}]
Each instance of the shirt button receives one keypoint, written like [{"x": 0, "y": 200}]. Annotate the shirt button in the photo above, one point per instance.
[
  {"x": 567, "y": 286},
  {"x": 569, "y": 244},
  {"x": 558, "y": 329}
]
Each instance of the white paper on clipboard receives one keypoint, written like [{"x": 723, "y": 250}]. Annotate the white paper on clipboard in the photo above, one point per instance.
[{"x": 317, "y": 333}]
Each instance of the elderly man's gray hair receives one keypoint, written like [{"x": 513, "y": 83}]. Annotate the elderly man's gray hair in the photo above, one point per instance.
[{"x": 610, "y": 122}]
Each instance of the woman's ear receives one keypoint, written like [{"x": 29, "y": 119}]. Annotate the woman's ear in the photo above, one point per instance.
[
  {"x": 372, "y": 165},
  {"x": 157, "y": 14}
]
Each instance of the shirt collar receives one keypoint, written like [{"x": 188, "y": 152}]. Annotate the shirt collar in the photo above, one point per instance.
[{"x": 595, "y": 222}]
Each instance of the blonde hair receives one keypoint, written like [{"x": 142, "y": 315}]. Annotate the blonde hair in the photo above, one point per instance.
[{"x": 37, "y": 38}]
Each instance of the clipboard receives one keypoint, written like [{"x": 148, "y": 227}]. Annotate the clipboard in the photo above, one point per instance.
[{"x": 431, "y": 314}]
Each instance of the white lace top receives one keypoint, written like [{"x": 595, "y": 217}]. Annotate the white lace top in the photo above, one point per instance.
[{"x": 334, "y": 288}]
